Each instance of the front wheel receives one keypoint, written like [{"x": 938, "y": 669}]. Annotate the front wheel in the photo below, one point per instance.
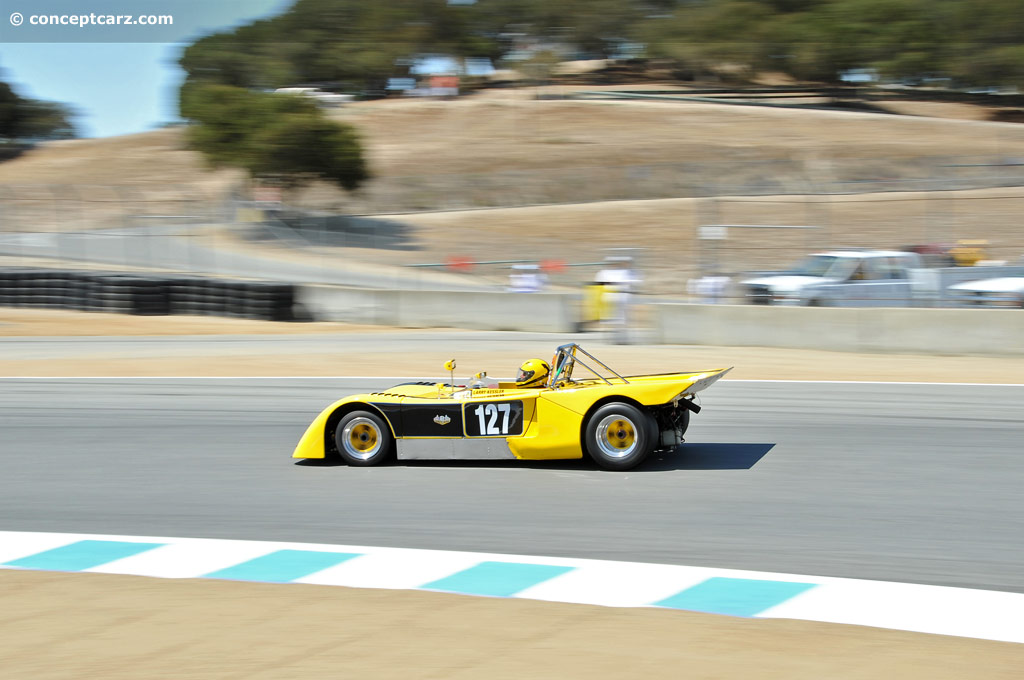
[
  {"x": 363, "y": 439},
  {"x": 620, "y": 436}
]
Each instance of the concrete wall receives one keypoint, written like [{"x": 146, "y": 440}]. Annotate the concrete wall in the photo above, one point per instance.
[
  {"x": 905, "y": 330},
  {"x": 901, "y": 330},
  {"x": 542, "y": 312}
]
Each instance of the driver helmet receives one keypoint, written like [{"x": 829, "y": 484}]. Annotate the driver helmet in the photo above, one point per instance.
[{"x": 533, "y": 373}]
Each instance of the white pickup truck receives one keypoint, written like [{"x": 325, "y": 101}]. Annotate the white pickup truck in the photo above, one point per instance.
[{"x": 841, "y": 278}]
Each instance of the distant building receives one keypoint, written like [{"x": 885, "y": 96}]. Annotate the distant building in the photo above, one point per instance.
[
  {"x": 323, "y": 98},
  {"x": 859, "y": 75},
  {"x": 400, "y": 84},
  {"x": 440, "y": 75}
]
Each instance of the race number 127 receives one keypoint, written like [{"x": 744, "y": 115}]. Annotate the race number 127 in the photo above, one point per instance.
[{"x": 493, "y": 418}]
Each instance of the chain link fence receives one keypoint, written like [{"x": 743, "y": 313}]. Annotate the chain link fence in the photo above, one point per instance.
[{"x": 896, "y": 220}]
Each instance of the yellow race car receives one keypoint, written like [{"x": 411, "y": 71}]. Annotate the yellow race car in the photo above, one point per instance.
[{"x": 546, "y": 414}]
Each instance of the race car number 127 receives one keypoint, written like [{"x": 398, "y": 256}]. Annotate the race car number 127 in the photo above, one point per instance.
[{"x": 494, "y": 419}]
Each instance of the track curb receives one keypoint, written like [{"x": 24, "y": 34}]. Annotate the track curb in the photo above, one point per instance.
[{"x": 983, "y": 614}]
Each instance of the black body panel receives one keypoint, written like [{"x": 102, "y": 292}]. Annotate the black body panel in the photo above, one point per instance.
[
  {"x": 430, "y": 420},
  {"x": 393, "y": 414}
]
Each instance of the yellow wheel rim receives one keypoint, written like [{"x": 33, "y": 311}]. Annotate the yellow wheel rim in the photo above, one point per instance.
[
  {"x": 620, "y": 434},
  {"x": 361, "y": 439},
  {"x": 616, "y": 436}
]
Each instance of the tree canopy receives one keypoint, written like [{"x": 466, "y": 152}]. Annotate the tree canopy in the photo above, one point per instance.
[
  {"x": 25, "y": 119},
  {"x": 281, "y": 137},
  {"x": 967, "y": 42},
  {"x": 356, "y": 45}
]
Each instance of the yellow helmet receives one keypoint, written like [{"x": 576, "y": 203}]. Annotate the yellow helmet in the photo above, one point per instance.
[{"x": 533, "y": 373}]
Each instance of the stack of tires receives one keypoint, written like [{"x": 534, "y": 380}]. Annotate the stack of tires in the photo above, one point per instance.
[
  {"x": 46, "y": 288},
  {"x": 273, "y": 301},
  {"x": 187, "y": 294},
  {"x": 145, "y": 294},
  {"x": 130, "y": 294}
]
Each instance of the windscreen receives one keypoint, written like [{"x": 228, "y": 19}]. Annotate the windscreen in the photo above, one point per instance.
[
  {"x": 824, "y": 266},
  {"x": 815, "y": 265}
]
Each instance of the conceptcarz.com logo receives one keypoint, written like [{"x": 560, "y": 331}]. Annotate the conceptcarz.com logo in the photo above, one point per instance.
[{"x": 92, "y": 19}]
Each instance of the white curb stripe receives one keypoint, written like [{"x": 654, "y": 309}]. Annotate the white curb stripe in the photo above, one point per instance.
[{"x": 929, "y": 609}]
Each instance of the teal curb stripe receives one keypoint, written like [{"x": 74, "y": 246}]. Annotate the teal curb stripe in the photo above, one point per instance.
[
  {"x": 282, "y": 566},
  {"x": 496, "y": 579},
  {"x": 734, "y": 596},
  {"x": 81, "y": 555}
]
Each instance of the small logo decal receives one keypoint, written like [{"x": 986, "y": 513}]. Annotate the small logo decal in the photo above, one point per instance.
[{"x": 442, "y": 420}]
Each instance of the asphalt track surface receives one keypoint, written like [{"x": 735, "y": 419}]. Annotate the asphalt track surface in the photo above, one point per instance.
[{"x": 898, "y": 482}]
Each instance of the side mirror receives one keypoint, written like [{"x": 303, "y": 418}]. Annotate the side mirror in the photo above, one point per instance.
[{"x": 450, "y": 367}]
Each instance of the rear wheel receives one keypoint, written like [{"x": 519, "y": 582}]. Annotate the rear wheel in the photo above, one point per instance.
[
  {"x": 362, "y": 438},
  {"x": 620, "y": 436}
]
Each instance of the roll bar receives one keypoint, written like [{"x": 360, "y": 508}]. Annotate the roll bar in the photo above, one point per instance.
[{"x": 566, "y": 357}]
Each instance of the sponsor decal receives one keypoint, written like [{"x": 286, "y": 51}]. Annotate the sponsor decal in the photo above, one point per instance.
[{"x": 442, "y": 420}]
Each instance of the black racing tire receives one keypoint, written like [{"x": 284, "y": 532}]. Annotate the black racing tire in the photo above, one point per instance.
[
  {"x": 363, "y": 439},
  {"x": 620, "y": 436}
]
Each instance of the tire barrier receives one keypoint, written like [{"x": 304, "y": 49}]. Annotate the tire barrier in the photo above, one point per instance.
[{"x": 148, "y": 295}]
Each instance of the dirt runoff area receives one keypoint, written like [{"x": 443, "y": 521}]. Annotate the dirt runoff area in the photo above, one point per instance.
[
  {"x": 386, "y": 351},
  {"x": 112, "y": 627},
  {"x": 61, "y": 626}
]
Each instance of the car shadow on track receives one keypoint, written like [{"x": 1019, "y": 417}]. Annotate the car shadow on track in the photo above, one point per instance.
[
  {"x": 685, "y": 457},
  {"x": 708, "y": 457}
]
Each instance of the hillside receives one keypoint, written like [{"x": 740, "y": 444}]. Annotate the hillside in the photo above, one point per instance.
[
  {"x": 503, "y": 147},
  {"x": 508, "y": 130}
]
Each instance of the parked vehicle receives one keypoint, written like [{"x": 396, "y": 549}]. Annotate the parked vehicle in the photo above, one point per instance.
[
  {"x": 840, "y": 278},
  {"x": 999, "y": 291}
]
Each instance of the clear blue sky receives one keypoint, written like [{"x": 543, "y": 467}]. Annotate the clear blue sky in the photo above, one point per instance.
[{"x": 117, "y": 88}]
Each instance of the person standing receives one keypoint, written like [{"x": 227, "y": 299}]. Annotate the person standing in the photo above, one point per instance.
[{"x": 620, "y": 281}]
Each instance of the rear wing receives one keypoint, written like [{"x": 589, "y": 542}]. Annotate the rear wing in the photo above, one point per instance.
[{"x": 704, "y": 382}]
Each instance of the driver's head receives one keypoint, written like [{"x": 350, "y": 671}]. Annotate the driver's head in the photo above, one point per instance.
[{"x": 533, "y": 373}]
